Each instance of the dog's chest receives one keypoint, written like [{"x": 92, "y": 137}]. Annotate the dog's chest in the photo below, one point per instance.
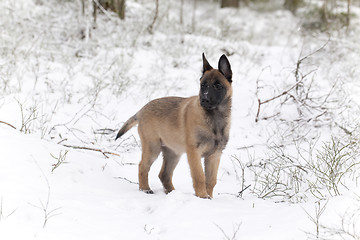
[{"x": 214, "y": 138}]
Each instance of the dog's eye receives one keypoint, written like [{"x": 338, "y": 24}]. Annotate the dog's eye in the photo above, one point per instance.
[
  {"x": 218, "y": 86},
  {"x": 203, "y": 85}
]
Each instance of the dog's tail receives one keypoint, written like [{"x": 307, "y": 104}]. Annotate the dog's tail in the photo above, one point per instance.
[{"x": 131, "y": 122}]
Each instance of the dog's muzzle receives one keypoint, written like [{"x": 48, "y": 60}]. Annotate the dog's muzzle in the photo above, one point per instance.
[{"x": 206, "y": 104}]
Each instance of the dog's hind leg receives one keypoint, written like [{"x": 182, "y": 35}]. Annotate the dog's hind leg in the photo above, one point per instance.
[
  {"x": 150, "y": 151},
  {"x": 170, "y": 161}
]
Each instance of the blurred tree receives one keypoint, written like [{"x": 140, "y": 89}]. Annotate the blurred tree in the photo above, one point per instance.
[
  {"x": 194, "y": 16},
  {"x": 348, "y": 14},
  {"x": 181, "y": 11},
  {"x": 151, "y": 26},
  {"x": 292, "y": 5},
  {"x": 229, "y": 3},
  {"x": 117, "y": 6},
  {"x": 324, "y": 14}
]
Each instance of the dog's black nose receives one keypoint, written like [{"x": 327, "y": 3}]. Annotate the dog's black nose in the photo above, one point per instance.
[{"x": 205, "y": 101}]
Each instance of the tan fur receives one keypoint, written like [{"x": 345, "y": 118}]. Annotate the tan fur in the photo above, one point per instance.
[{"x": 173, "y": 126}]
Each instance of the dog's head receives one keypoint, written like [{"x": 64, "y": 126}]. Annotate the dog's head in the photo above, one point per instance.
[{"x": 215, "y": 83}]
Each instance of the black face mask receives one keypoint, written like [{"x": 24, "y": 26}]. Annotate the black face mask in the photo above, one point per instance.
[{"x": 212, "y": 93}]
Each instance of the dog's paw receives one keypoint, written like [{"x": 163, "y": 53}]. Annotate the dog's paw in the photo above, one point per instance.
[
  {"x": 147, "y": 191},
  {"x": 204, "y": 196}
]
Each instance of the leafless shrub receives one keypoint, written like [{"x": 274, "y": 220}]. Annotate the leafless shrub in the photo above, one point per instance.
[
  {"x": 28, "y": 116},
  {"x": 280, "y": 175},
  {"x": 333, "y": 163},
  {"x": 60, "y": 159},
  {"x": 298, "y": 171},
  {"x": 45, "y": 206},
  {"x": 346, "y": 228},
  {"x": 319, "y": 210},
  {"x": 237, "y": 163},
  {"x": 309, "y": 104},
  {"x": 236, "y": 228},
  {"x": 289, "y": 170},
  {"x": 2, "y": 213}
]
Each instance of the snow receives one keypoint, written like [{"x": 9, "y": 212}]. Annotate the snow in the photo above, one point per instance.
[
  {"x": 85, "y": 198},
  {"x": 72, "y": 81}
]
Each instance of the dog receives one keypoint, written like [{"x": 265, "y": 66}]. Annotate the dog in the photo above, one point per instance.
[{"x": 198, "y": 126}]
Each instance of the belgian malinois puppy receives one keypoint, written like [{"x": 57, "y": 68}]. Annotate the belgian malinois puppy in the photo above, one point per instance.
[{"x": 197, "y": 125}]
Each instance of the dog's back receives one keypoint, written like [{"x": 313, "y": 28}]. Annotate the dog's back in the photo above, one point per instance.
[{"x": 162, "y": 120}]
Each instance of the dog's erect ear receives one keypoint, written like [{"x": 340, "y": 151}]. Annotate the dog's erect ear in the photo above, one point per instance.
[
  {"x": 206, "y": 65},
  {"x": 225, "y": 68}
]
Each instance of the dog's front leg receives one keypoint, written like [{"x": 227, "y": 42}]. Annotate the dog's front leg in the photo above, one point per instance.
[
  {"x": 197, "y": 173},
  {"x": 211, "y": 170}
]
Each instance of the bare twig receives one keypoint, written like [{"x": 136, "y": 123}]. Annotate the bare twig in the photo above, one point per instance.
[
  {"x": 275, "y": 97},
  {"x": 348, "y": 132},
  {"x": 300, "y": 60},
  {"x": 45, "y": 206},
  {"x": 2, "y": 216},
  {"x": 236, "y": 228},
  {"x": 79, "y": 115},
  {"x": 62, "y": 140},
  {"x": 127, "y": 180},
  {"x": 319, "y": 210},
  {"x": 147, "y": 229},
  {"x": 8, "y": 124},
  {"x": 60, "y": 160},
  {"x": 249, "y": 146},
  {"x": 26, "y": 120},
  {"x": 92, "y": 149},
  {"x": 243, "y": 190},
  {"x": 104, "y": 131}
]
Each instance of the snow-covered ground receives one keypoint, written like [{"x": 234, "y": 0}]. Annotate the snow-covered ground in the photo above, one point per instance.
[{"x": 65, "y": 85}]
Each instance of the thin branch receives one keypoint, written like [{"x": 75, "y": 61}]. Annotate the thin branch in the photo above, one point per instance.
[
  {"x": 63, "y": 140},
  {"x": 8, "y": 124},
  {"x": 242, "y": 191},
  {"x": 316, "y": 51},
  {"x": 104, "y": 131},
  {"x": 45, "y": 207},
  {"x": 236, "y": 228},
  {"x": 92, "y": 149},
  {"x": 79, "y": 115},
  {"x": 2, "y": 216},
  {"x": 127, "y": 180},
  {"x": 276, "y": 97}
]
